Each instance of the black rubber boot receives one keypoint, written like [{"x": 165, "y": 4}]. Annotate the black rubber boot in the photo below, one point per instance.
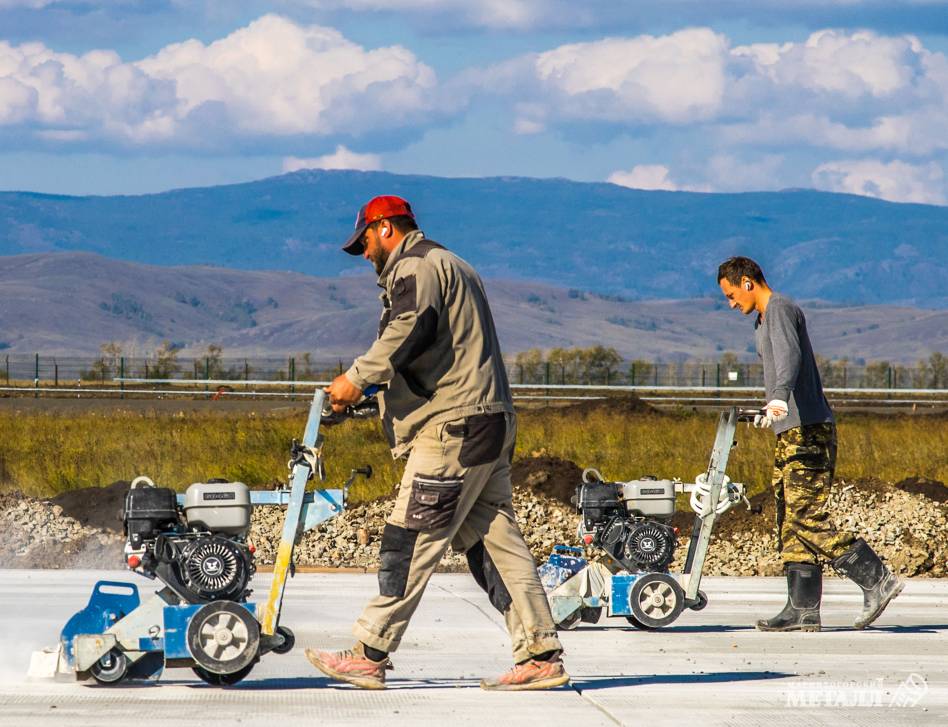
[
  {"x": 879, "y": 585},
  {"x": 804, "y": 593}
]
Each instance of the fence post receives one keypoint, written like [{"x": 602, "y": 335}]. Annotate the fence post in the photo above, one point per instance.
[
  {"x": 146, "y": 369},
  {"x": 36, "y": 377},
  {"x": 207, "y": 370},
  {"x": 8, "y": 370},
  {"x": 520, "y": 366},
  {"x": 340, "y": 367},
  {"x": 291, "y": 367},
  {"x": 717, "y": 376},
  {"x": 888, "y": 377},
  {"x": 656, "y": 374},
  {"x": 702, "y": 376},
  {"x": 55, "y": 374},
  {"x": 246, "y": 370},
  {"x": 632, "y": 373},
  {"x": 122, "y": 376}
]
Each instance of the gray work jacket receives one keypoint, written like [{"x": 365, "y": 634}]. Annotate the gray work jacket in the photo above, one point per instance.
[{"x": 437, "y": 347}]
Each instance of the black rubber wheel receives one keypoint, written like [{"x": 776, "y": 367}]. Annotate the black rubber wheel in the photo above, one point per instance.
[
  {"x": 111, "y": 668},
  {"x": 221, "y": 680},
  {"x": 702, "y": 601},
  {"x": 638, "y": 624},
  {"x": 289, "y": 640},
  {"x": 590, "y": 615},
  {"x": 224, "y": 638},
  {"x": 656, "y": 600},
  {"x": 570, "y": 622}
]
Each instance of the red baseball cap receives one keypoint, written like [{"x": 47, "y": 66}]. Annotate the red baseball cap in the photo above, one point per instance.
[{"x": 377, "y": 208}]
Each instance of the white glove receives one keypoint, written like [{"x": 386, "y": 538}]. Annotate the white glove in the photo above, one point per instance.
[{"x": 775, "y": 411}]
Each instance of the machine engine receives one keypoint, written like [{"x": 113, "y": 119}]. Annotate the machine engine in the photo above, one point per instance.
[
  {"x": 630, "y": 521},
  {"x": 199, "y": 551}
]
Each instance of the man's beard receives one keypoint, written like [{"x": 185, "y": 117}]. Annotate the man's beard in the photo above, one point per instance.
[{"x": 379, "y": 257}]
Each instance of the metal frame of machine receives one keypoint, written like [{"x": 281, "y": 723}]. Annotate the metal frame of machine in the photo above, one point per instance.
[
  {"x": 117, "y": 636},
  {"x": 580, "y": 590}
]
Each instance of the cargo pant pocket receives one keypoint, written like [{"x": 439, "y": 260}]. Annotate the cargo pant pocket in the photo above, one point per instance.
[
  {"x": 433, "y": 502},
  {"x": 483, "y": 435},
  {"x": 395, "y": 555}
]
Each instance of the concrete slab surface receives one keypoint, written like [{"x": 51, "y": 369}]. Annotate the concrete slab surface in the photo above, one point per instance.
[{"x": 709, "y": 668}]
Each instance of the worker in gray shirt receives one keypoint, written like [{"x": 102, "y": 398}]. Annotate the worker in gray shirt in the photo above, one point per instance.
[{"x": 804, "y": 459}]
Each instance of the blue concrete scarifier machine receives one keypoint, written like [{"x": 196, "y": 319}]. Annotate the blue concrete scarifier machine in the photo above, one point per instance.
[
  {"x": 196, "y": 545},
  {"x": 630, "y": 523}
]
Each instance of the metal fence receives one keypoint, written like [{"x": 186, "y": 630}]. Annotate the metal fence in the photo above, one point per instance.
[{"x": 71, "y": 371}]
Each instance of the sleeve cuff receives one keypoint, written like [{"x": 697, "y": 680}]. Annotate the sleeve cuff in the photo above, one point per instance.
[
  {"x": 783, "y": 394},
  {"x": 356, "y": 380}
]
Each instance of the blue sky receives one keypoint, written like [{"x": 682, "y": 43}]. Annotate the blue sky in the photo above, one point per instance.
[{"x": 133, "y": 96}]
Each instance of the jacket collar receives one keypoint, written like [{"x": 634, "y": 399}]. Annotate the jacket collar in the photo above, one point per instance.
[{"x": 410, "y": 239}]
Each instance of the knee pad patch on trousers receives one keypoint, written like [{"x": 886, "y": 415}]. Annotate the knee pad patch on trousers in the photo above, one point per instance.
[
  {"x": 395, "y": 555},
  {"x": 487, "y": 577},
  {"x": 433, "y": 502},
  {"x": 484, "y": 436}
]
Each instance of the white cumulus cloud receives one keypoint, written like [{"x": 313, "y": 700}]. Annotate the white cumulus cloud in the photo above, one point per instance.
[
  {"x": 853, "y": 91},
  {"x": 896, "y": 181},
  {"x": 673, "y": 78},
  {"x": 273, "y": 79},
  {"x": 644, "y": 176},
  {"x": 342, "y": 158}
]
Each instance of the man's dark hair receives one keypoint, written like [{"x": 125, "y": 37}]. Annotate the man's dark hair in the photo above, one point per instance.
[
  {"x": 401, "y": 223},
  {"x": 735, "y": 268}
]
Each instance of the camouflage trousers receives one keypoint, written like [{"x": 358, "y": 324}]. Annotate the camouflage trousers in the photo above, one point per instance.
[{"x": 804, "y": 464}]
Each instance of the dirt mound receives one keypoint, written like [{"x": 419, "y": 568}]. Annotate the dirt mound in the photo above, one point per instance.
[
  {"x": 932, "y": 489},
  {"x": 96, "y": 507},
  {"x": 550, "y": 476}
]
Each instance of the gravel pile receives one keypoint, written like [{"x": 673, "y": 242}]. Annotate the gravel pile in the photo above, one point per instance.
[
  {"x": 906, "y": 523},
  {"x": 352, "y": 539},
  {"x": 37, "y": 534}
]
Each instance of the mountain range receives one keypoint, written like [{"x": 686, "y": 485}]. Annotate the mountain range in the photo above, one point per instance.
[
  {"x": 71, "y": 303},
  {"x": 599, "y": 238}
]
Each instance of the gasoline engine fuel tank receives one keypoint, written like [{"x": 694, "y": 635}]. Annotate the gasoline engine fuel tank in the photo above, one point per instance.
[{"x": 219, "y": 507}]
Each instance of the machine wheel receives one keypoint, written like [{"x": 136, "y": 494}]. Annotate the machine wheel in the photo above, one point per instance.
[
  {"x": 289, "y": 640},
  {"x": 221, "y": 680},
  {"x": 656, "y": 600},
  {"x": 569, "y": 623},
  {"x": 638, "y": 624},
  {"x": 224, "y": 638},
  {"x": 111, "y": 668},
  {"x": 702, "y": 601},
  {"x": 590, "y": 615}
]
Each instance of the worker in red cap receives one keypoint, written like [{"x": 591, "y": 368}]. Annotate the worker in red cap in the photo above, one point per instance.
[{"x": 446, "y": 405}]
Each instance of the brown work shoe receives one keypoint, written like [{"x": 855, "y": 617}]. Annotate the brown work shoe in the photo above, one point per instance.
[
  {"x": 351, "y": 666},
  {"x": 530, "y": 674}
]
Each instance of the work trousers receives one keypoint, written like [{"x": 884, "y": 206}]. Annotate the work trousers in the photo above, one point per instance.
[
  {"x": 804, "y": 464},
  {"x": 456, "y": 491}
]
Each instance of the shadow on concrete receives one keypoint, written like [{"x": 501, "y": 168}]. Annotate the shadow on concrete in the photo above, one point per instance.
[
  {"x": 917, "y": 629},
  {"x": 315, "y": 682},
  {"x": 580, "y": 684},
  {"x": 592, "y": 683},
  {"x": 706, "y": 629}
]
